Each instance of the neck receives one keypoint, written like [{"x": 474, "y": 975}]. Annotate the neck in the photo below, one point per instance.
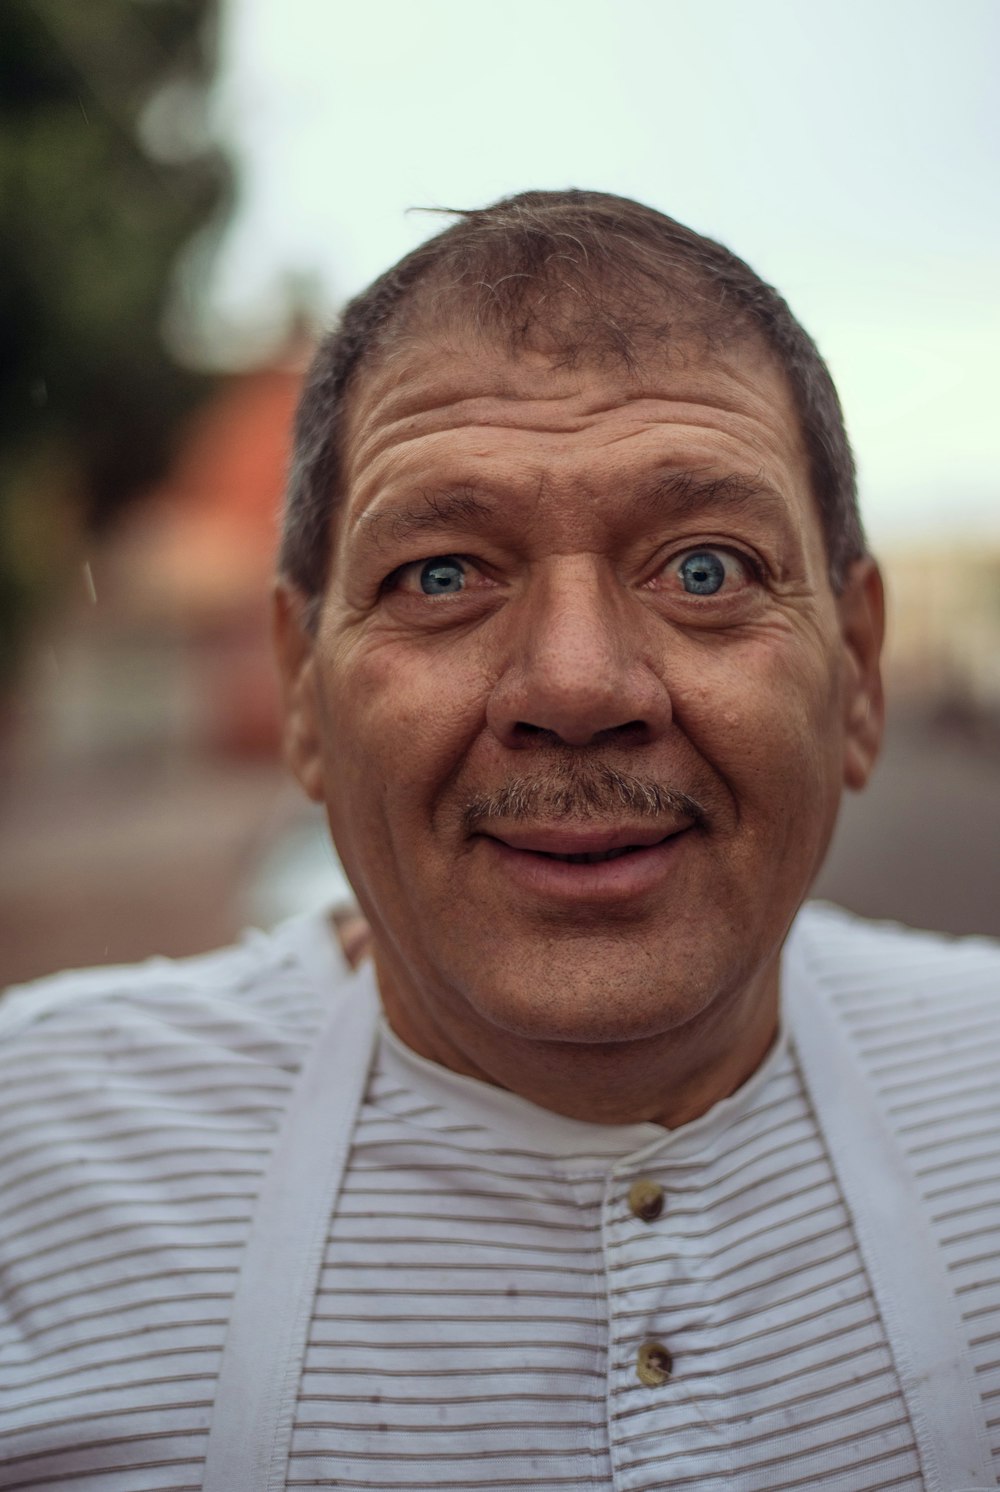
[{"x": 668, "y": 1078}]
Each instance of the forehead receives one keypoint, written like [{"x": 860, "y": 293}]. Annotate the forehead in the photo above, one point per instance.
[{"x": 453, "y": 410}]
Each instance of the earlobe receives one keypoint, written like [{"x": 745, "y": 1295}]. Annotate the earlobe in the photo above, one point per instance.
[
  {"x": 294, "y": 649},
  {"x": 861, "y": 607}
]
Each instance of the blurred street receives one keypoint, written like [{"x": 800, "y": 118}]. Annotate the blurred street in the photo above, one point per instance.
[{"x": 922, "y": 845}]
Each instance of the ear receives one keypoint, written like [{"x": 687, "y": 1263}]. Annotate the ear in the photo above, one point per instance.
[
  {"x": 861, "y": 608},
  {"x": 294, "y": 646}
]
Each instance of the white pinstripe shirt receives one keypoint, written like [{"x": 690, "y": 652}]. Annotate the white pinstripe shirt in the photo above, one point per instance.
[{"x": 486, "y": 1289}]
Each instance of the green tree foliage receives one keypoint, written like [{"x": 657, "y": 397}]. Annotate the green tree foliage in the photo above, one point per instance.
[{"x": 106, "y": 175}]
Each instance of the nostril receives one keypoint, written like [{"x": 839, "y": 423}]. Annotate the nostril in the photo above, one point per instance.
[
  {"x": 630, "y": 728},
  {"x": 631, "y": 732}
]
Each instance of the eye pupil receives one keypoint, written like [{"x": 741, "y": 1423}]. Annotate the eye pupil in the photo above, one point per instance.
[
  {"x": 441, "y": 576},
  {"x": 702, "y": 573}
]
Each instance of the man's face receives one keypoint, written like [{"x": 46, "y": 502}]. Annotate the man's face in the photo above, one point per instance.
[{"x": 581, "y": 700}]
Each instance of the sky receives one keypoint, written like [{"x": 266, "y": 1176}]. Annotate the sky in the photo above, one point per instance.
[{"x": 847, "y": 150}]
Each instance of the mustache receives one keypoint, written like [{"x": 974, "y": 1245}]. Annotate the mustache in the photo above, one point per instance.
[{"x": 594, "y": 791}]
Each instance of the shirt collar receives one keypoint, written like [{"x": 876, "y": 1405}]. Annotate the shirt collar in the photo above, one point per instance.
[{"x": 481, "y": 1117}]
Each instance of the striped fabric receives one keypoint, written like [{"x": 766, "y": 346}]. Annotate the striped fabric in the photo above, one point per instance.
[
  {"x": 486, "y": 1289},
  {"x": 928, "y": 1041}
]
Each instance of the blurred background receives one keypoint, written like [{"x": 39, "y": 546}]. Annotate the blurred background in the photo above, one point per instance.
[{"x": 190, "y": 189}]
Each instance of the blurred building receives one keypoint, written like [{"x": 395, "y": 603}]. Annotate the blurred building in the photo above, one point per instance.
[
  {"x": 943, "y": 651},
  {"x": 165, "y": 647},
  {"x": 143, "y": 796}
]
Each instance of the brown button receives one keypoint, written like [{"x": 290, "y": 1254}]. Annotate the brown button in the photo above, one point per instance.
[
  {"x": 645, "y": 1198},
  {"x": 654, "y": 1364}
]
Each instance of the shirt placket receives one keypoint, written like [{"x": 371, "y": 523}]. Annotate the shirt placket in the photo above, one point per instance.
[{"x": 660, "y": 1419}]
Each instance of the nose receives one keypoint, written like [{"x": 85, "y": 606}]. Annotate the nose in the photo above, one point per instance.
[{"x": 578, "y": 667}]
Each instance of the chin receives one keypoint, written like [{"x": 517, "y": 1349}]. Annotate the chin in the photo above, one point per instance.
[{"x": 586, "y": 1005}]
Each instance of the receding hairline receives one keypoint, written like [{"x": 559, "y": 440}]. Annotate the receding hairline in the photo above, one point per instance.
[{"x": 577, "y": 315}]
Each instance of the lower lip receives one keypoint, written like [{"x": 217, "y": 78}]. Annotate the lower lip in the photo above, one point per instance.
[{"x": 609, "y": 881}]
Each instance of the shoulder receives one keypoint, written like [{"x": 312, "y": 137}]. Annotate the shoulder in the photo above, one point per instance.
[
  {"x": 881, "y": 971},
  {"x": 265, "y": 985},
  {"x": 837, "y": 943}
]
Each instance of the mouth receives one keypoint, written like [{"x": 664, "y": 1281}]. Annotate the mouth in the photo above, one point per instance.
[
  {"x": 583, "y": 843},
  {"x": 585, "y": 864},
  {"x": 597, "y": 857}
]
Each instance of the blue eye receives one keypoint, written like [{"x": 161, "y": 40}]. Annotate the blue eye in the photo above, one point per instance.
[
  {"x": 702, "y": 572},
  {"x": 441, "y": 577}
]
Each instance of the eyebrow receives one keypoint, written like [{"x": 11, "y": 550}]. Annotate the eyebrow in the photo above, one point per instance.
[
  {"x": 685, "y": 494},
  {"x": 682, "y": 494},
  {"x": 428, "y": 512}
]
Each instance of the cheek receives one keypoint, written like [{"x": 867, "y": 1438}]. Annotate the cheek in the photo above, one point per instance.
[
  {"x": 764, "y": 713},
  {"x": 398, "y": 724}
]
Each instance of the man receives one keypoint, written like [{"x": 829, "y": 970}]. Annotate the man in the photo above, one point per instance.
[{"x": 631, "y": 1189}]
